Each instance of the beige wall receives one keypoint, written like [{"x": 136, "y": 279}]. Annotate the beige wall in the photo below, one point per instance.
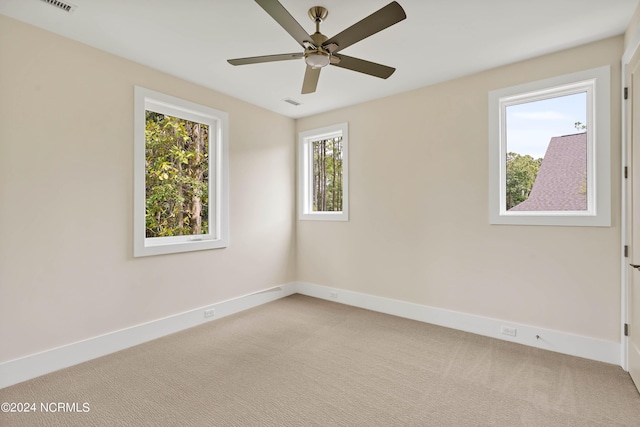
[
  {"x": 419, "y": 229},
  {"x": 632, "y": 30},
  {"x": 66, "y": 144}
]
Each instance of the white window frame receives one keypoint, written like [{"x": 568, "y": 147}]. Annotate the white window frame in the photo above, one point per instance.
[
  {"x": 305, "y": 172},
  {"x": 218, "y": 122},
  {"x": 597, "y": 83}
]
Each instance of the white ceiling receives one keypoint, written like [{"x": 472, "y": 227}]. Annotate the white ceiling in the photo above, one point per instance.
[{"x": 440, "y": 40}]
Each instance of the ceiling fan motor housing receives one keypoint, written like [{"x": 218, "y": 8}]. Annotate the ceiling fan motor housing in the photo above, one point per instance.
[{"x": 314, "y": 54}]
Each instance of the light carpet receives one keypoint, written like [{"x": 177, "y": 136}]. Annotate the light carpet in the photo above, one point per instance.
[{"x": 305, "y": 361}]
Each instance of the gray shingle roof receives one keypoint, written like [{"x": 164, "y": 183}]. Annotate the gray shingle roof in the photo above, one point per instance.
[{"x": 561, "y": 181}]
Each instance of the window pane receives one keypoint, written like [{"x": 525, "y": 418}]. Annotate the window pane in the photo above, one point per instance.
[
  {"x": 176, "y": 176},
  {"x": 327, "y": 175},
  {"x": 546, "y": 154}
]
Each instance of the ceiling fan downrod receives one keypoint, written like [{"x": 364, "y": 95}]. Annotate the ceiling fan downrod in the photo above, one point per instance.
[{"x": 317, "y": 56}]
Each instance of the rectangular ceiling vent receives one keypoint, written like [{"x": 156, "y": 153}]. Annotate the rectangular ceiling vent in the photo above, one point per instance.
[
  {"x": 292, "y": 101},
  {"x": 67, "y": 7}
]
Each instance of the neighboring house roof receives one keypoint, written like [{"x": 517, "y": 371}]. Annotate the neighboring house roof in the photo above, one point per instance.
[{"x": 561, "y": 181}]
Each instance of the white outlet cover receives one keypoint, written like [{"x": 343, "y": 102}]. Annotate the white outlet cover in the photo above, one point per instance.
[{"x": 506, "y": 330}]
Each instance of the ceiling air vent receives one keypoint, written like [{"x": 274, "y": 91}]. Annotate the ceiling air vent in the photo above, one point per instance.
[
  {"x": 67, "y": 7},
  {"x": 292, "y": 101}
]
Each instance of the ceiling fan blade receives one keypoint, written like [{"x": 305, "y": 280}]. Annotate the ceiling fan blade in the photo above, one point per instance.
[
  {"x": 266, "y": 58},
  {"x": 286, "y": 21},
  {"x": 362, "y": 66},
  {"x": 377, "y": 21},
  {"x": 310, "y": 82}
]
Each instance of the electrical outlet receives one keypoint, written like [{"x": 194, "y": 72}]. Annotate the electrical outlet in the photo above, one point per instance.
[
  {"x": 210, "y": 312},
  {"x": 507, "y": 330},
  {"x": 333, "y": 295}
]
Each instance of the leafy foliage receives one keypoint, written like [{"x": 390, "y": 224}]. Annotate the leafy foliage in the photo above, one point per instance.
[
  {"x": 176, "y": 176},
  {"x": 521, "y": 174},
  {"x": 327, "y": 175}
]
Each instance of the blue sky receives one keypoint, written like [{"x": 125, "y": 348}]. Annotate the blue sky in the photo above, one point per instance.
[{"x": 530, "y": 126}]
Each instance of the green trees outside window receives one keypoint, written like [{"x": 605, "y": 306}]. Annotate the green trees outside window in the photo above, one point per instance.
[
  {"x": 327, "y": 175},
  {"x": 521, "y": 174},
  {"x": 176, "y": 176}
]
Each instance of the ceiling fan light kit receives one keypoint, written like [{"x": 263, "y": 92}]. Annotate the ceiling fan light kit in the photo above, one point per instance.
[
  {"x": 319, "y": 50},
  {"x": 317, "y": 59}
]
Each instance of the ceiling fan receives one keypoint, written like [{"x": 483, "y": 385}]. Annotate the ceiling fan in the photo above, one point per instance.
[{"x": 320, "y": 51}]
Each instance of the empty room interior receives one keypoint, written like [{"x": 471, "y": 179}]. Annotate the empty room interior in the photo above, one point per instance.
[{"x": 406, "y": 232}]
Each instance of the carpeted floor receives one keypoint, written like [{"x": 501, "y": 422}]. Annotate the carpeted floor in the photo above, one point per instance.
[{"x": 304, "y": 361}]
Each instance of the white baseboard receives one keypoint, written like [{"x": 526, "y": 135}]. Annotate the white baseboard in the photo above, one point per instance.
[
  {"x": 25, "y": 368},
  {"x": 560, "y": 342}
]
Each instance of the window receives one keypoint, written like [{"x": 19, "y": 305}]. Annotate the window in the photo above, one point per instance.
[
  {"x": 323, "y": 174},
  {"x": 180, "y": 175},
  {"x": 549, "y": 147}
]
